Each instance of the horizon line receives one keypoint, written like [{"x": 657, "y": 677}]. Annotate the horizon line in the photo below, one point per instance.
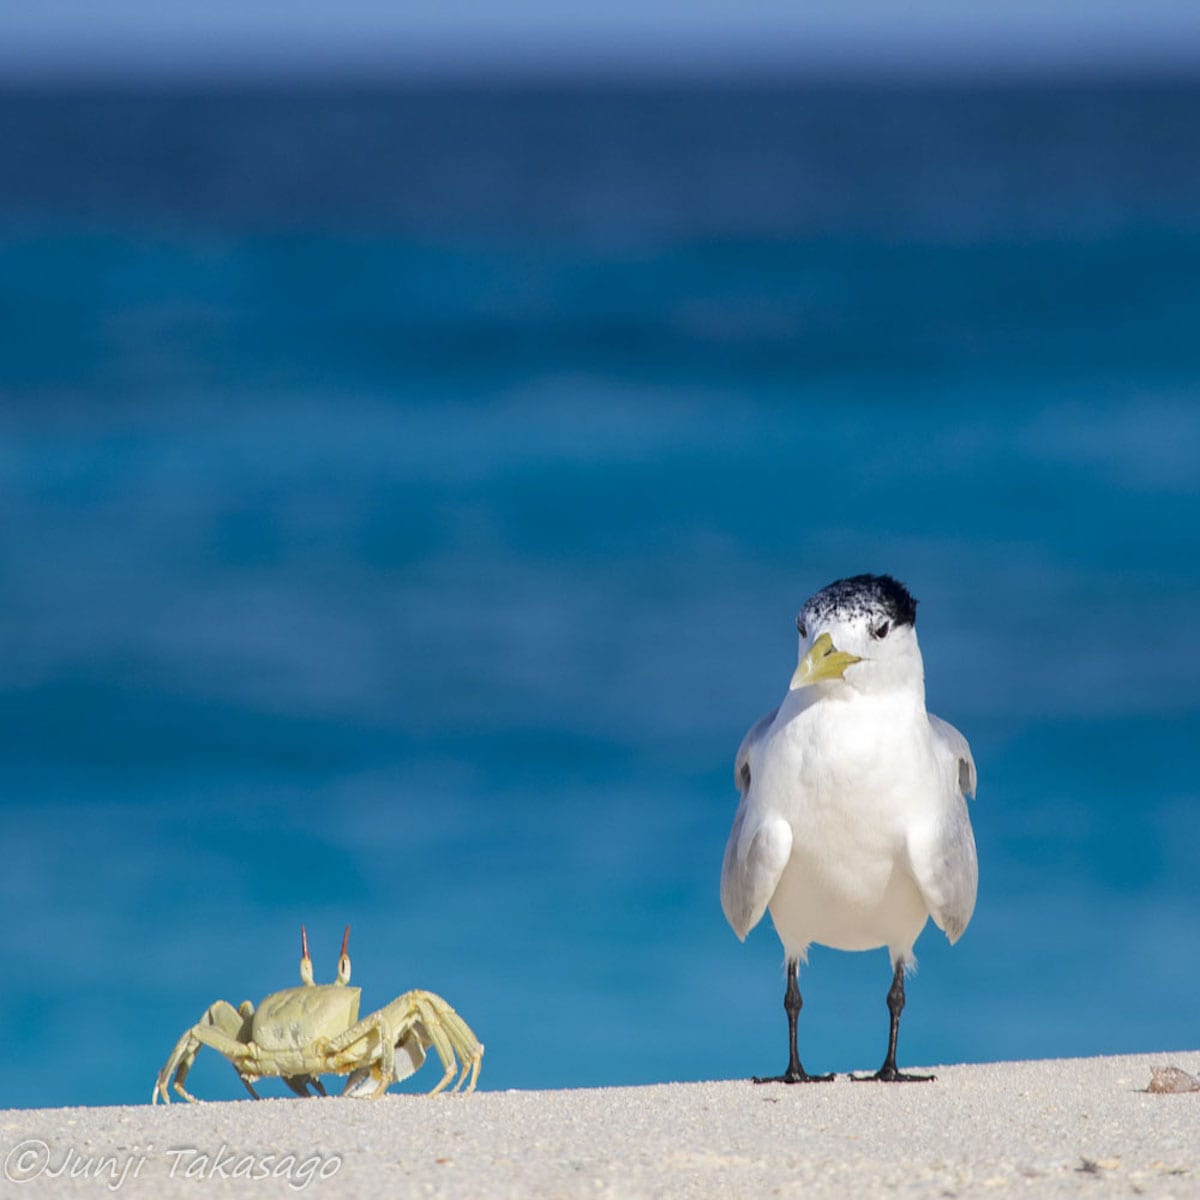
[{"x": 346, "y": 73}]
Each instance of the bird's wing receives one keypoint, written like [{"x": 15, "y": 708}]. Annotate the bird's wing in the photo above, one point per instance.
[
  {"x": 948, "y": 741},
  {"x": 942, "y": 850},
  {"x": 741, "y": 763},
  {"x": 758, "y": 849}
]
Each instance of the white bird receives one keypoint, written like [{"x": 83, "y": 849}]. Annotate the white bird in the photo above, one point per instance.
[{"x": 853, "y": 826}]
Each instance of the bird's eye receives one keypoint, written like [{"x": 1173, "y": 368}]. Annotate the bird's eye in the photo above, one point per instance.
[
  {"x": 882, "y": 630},
  {"x": 801, "y": 627}
]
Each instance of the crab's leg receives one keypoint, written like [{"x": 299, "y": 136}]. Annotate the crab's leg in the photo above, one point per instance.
[
  {"x": 220, "y": 1028},
  {"x": 440, "y": 1026},
  {"x": 468, "y": 1046},
  {"x": 450, "y": 1035},
  {"x": 418, "y": 1017},
  {"x": 432, "y": 1030},
  {"x": 181, "y": 1057},
  {"x": 301, "y": 1083},
  {"x": 221, "y": 1014}
]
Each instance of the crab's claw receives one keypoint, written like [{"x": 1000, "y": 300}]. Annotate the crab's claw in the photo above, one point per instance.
[{"x": 366, "y": 1083}]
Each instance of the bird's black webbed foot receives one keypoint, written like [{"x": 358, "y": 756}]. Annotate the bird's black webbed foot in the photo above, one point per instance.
[
  {"x": 888, "y": 1074},
  {"x": 791, "y": 1075}
]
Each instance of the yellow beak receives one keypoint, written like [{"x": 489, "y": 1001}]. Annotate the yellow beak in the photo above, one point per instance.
[{"x": 823, "y": 661}]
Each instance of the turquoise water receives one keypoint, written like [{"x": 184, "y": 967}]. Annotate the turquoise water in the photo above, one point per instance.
[{"x": 406, "y": 505}]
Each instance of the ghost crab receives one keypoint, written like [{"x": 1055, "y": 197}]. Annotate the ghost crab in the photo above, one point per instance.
[{"x": 304, "y": 1032}]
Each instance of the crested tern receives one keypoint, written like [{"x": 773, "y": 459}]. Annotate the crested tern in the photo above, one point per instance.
[{"x": 853, "y": 827}]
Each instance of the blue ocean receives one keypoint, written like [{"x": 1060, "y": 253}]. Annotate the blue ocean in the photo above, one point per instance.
[{"x": 406, "y": 497}]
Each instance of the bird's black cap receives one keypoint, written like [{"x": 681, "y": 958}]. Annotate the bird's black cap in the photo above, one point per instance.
[{"x": 863, "y": 594}]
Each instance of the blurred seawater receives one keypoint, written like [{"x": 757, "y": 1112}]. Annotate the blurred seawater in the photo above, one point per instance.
[{"x": 405, "y": 499}]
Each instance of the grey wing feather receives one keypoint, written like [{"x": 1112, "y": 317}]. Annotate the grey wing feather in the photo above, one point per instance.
[
  {"x": 741, "y": 762},
  {"x": 947, "y": 740},
  {"x": 758, "y": 848},
  {"x": 943, "y": 854}
]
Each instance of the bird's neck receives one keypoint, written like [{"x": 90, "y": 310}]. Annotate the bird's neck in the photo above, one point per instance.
[{"x": 901, "y": 699}]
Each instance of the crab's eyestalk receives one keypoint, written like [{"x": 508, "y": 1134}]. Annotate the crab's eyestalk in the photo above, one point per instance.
[
  {"x": 344, "y": 958},
  {"x": 306, "y": 967}
]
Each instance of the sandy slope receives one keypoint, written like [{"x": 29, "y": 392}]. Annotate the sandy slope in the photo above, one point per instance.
[{"x": 1069, "y": 1127}]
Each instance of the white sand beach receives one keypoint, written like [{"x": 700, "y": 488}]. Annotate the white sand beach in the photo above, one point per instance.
[{"x": 1065, "y": 1127}]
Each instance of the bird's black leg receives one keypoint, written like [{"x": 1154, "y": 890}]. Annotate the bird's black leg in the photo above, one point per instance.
[
  {"x": 792, "y": 1004},
  {"x": 888, "y": 1072}
]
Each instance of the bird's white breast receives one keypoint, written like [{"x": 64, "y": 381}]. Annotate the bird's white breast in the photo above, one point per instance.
[{"x": 851, "y": 777}]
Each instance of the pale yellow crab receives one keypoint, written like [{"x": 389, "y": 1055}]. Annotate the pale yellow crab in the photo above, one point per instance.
[{"x": 302, "y": 1033}]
